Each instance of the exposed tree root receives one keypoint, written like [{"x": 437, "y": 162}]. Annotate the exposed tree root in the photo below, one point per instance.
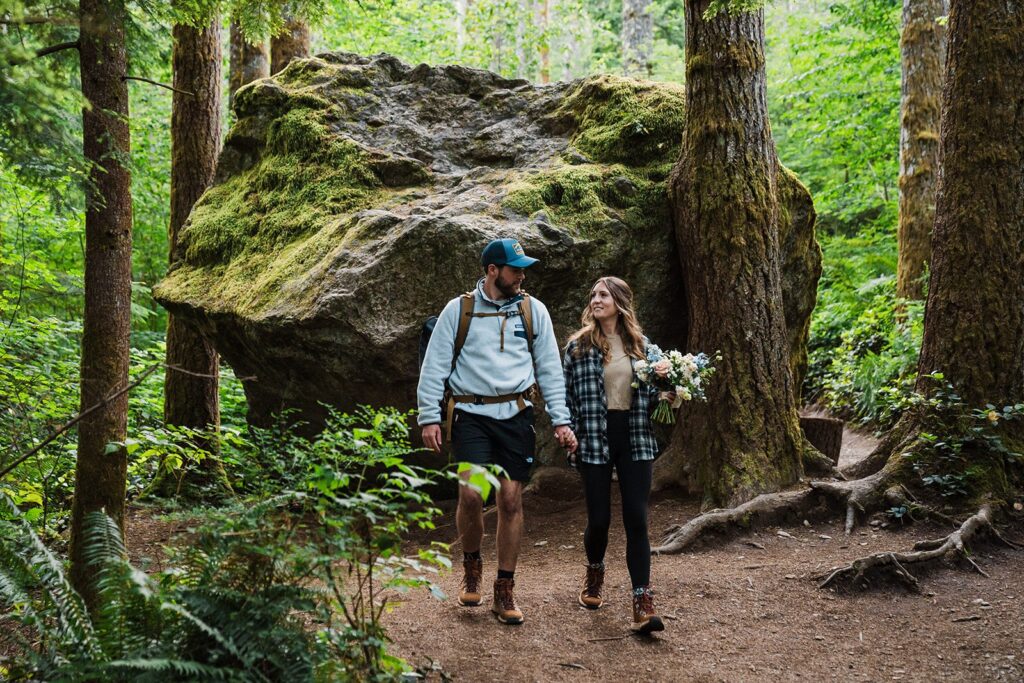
[
  {"x": 761, "y": 511},
  {"x": 856, "y": 572}
]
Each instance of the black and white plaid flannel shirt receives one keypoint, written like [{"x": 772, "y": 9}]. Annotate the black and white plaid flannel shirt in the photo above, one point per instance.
[{"x": 588, "y": 405}]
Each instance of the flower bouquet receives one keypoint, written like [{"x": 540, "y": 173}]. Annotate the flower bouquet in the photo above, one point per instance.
[{"x": 686, "y": 375}]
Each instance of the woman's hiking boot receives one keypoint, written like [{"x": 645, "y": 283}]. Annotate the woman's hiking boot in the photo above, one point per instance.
[
  {"x": 590, "y": 596},
  {"x": 473, "y": 571},
  {"x": 504, "y": 606},
  {"x": 645, "y": 619}
]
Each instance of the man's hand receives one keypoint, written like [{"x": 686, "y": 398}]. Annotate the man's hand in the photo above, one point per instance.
[
  {"x": 432, "y": 438},
  {"x": 566, "y": 439}
]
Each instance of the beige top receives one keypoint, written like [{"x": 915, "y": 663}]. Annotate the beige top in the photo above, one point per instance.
[{"x": 618, "y": 377}]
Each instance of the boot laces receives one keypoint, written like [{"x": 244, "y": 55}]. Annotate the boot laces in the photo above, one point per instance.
[
  {"x": 595, "y": 579},
  {"x": 503, "y": 591},
  {"x": 471, "y": 578}
]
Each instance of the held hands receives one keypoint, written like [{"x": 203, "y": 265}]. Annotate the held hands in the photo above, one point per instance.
[
  {"x": 566, "y": 439},
  {"x": 432, "y": 438},
  {"x": 669, "y": 396}
]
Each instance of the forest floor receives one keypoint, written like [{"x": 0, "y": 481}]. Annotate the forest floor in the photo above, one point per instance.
[{"x": 747, "y": 609}]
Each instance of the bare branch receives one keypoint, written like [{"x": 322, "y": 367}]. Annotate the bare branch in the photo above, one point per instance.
[
  {"x": 42, "y": 52},
  {"x": 81, "y": 416},
  {"x": 162, "y": 85},
  {"x": 30, "y": 21}
]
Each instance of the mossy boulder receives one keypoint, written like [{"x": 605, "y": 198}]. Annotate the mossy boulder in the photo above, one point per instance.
[{"x": 354, "y": 194}]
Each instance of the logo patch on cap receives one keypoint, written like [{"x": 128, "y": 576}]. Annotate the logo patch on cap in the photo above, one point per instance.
[{"x": 518, "y": 249}]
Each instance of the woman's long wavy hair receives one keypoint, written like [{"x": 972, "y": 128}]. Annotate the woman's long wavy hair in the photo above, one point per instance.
[{"x": 590, "y": 336}]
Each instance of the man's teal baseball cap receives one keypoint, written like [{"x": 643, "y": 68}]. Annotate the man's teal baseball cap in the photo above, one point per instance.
[{"x": 506, "y": 252}]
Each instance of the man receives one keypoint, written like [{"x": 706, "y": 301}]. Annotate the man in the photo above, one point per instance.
[{"x": 492, "y": 418}]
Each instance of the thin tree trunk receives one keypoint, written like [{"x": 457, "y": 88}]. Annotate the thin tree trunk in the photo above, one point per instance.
[
  {"x": 746, "y": 439},
  {"x": 544, "y": 11},
  {"x": 637, "y": 38},
  {"x": 248, "y": 62},
  {"x": 922, "y": 47},
  {"x": 101, "y": 471},
  {"x": 191, "y": 397},
  {"x": 293, "y": 43},
  {"x": 974, "y": 319},
  {"x": 461, "y": 9}
]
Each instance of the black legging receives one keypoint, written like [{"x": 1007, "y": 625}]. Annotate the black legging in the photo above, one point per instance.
[{"x": 635, "y": 486}]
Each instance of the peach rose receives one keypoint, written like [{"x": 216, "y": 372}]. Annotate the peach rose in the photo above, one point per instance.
[{"x": 662, "y": 367}]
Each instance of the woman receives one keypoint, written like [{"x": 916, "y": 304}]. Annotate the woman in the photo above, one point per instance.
[{"x": 612, "y": 423}]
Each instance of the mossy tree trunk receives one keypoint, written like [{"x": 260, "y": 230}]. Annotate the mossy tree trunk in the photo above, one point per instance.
[
  {"x": 922, "y": 49},
  {"x": 974, "y": 319},
  {"x": 101, "y": 469},
  {"x": 191, "y": 396},
  {"x": 248, "y": 61},
  {"x": 746, "y": 439},
  {"x": 294, "y": 42},
  {"x": 637, "y": 38}
]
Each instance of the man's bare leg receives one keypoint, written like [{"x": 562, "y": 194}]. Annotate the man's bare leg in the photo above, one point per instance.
[
  {"x": 510, "y": 523},
  {"x": 469, "y": 515}
]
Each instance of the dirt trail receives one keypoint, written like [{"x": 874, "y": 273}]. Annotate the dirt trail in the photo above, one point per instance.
[{"x": 736, "y": 612}]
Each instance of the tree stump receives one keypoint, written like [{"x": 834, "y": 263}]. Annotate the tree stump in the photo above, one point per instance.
[{"x": 825, "y": 434}]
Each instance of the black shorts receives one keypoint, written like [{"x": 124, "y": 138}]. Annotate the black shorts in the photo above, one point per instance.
[{"x": 486, "y": 441}]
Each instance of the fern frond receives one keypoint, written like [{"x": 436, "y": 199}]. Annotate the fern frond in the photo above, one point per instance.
[
  {"x": 182, "y": 669},
  {"x": 27, "y": 559}
]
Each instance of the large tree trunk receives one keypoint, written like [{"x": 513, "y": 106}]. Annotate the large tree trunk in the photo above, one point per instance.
[
  {"x": 974, "y": 320},
  {"x": 101, "y": 470},
  {"x": 746, "y": 439},
  {"x": 248, "y": 62},
  {"x": 292, "y": 43},
  {"x": 637, "y": 38},
  {"x": 191, "y": 395},
  {"x": 922, "y": 48}
]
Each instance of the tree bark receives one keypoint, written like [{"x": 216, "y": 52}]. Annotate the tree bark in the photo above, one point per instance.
[
  {"x": 974, "y": 320},
  {"x": 191, "y": 398},
  {"x": 101, "y": 471},
  {"x": 544, "y": 7},
  {"x": 637, "y": 38},
  {"x": 248, "y": 62},
  {"x": 745, "y": 440},
  {"x": 922, "y": 49},
  {"x": 293, "y": 43}
]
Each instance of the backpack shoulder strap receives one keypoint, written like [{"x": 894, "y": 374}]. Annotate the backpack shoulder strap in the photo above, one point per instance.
[
  {"x": 526, "y": 310},
  {"x": 466, "y": 302}
]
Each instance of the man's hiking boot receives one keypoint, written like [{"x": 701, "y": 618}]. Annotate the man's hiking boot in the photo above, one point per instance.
[
  {"x": 504, "y": 606},
  {"x": 645, "y": 619},
  {"x": 590, "y": 596},
  {"x": 473, "y": 572}
]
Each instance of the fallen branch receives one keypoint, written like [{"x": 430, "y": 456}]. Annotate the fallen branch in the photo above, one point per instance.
[{"x": 924, "y": 551}]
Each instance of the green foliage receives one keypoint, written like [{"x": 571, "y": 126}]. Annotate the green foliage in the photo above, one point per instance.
[
  {"x": 292, "y": 588},
  {"x": 960, "y": 450},
  {"x": 864, "y": 344},
  {"x": 834, "y": 94}
]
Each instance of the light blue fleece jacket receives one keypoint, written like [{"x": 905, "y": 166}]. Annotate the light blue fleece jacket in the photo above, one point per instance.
[{"x": 484, "y": 369}]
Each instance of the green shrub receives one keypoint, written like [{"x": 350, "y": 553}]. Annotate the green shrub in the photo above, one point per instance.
[
  {"x": 290, "y": 589},
  {"x": 865, "y": 341}
]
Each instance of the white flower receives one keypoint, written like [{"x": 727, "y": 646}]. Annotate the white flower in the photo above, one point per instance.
[{"x": 686, "y": 395}]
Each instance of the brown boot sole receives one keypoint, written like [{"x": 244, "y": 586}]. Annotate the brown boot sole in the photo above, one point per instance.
[
  {"x": 579, "y": 599},
  {"x": 510, "y": 621},
  {"x": 471, "y": 603},
  {"x": 650, "y": 626}
]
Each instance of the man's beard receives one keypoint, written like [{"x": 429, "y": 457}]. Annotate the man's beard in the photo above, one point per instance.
[{"x": 507, "y": 289}]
